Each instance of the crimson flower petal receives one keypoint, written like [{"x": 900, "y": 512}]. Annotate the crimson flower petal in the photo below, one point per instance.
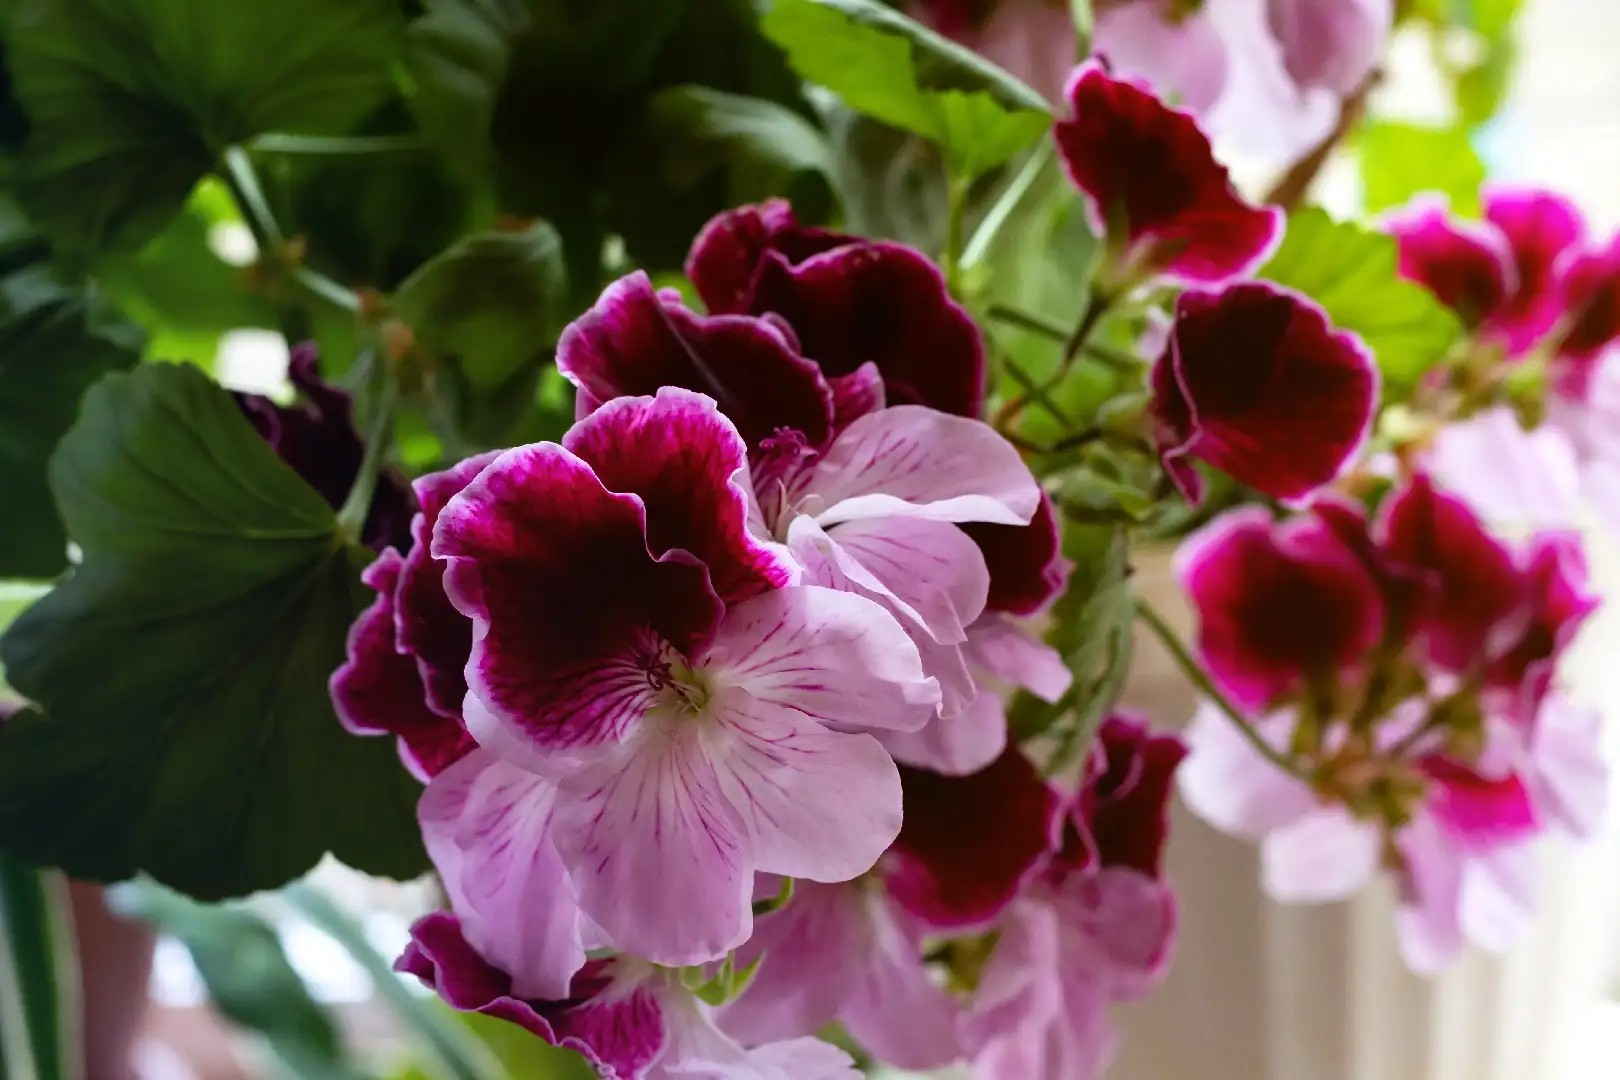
[
  {"x": 1026, "y": 563},
  {"x": 1468, "y": 267},
  {"x": 1539, "y": 228},
  {"x": 727, "y": 255},
  {"x": 1556, "y": 580},
  {"x": 634, "y": 341},
  {"x": 1589, "y": 289},
  {"x": 1123, "y": 808},
  {"x": 968, "y": 843},
  {"x": 1257, "y": 383},
  {"x": 1139, "y": 160},
  {"x": 1479, "y": 812}
]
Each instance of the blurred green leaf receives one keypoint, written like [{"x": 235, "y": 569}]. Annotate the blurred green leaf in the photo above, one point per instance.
[
  {"x": 40, "y": 1034},
  {"x": 131, "y": 101},
  {"x": 183, "y": 664},
  {"x": 54, "y": 342},
  {"x": 248, "y": 976},
  {"x": 457, "y": 53},
  {"x": 1401, "y": 160},
  {"x": 896, "y": 70},
  {"x": 494, "y": 302},
  {"x": 1351, "y": 271},
  {"x": 762, "y": 147}
]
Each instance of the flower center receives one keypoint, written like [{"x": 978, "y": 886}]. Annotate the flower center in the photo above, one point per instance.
[{"x": 681, "y": 688}]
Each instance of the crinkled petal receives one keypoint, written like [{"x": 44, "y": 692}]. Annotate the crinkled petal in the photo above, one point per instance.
[
  {"x": 1230, "y": 786},
  {"x": 969, "y": 843},
  {"x": 910, "y": 461},
  {"x": 813, "y": 803},
  {"x": 1257, "y": 383},
  {"x": 835, "y": 657},
  {"x": 726, "y": 256},
  {"x": 487, "y": 826},
  {"x": 930, "y": 566},
  {"x": 1124, "y": 804},
  {"x": 633, "y": 342},
  {"x": 1133, "y": 155},
  {"x": 1322, "y": 857},
  {"x": 856, "y": 394},
  {"x": 1026, "y": 563}
]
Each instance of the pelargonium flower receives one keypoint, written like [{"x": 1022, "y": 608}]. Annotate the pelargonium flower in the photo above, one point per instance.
[
  {"x": 1097, "y": 927},
  {"x": 853, "y": 952},
  {"x": 316, "y": 436},
  {"x": 1257, "y": 383},
  {"x": 1512, "y": 477},
  {"x": 1589, "y": 295},
  {"x": 668, "y": 710},
  {"x": 1153, "y": 184},
  {"x": 404, "y": 674},
  {"x": 849, "y": 302},
  {"x": 1498, "y": 275},
  {"x": 1463, "y": 859},
  {"x": 629, "y": 1020}
]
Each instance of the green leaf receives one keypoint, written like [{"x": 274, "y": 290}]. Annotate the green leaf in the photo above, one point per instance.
[
  {"x": 182, "y": 666},
  {"x": 457, "y": 54},
  {"x": 248, "y": 976},
  {"x": 1351, "y": 271},
  {"x": 54, "y": 342},
  {"x": 131, "y": 101},
  {"x": 1401, "y": 160},
  {"x": 494, "y": 301},
  {"x": 896, "y": 70},
  {"x": 762, "y": 146},
  {"x": 39, "y": 992}
]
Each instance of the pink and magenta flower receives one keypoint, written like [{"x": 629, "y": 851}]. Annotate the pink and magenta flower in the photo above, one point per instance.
[{"x": 1256, "y": 382}]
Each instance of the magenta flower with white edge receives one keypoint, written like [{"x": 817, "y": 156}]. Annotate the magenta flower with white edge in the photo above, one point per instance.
[
  {"x": 628, "y": 1019},
  {"x": 1150, "y": 178},
  {"x": 1465, "y": 864},
  {"x": 637, "y": 648},
  {"x": 1257, "y": 383}
]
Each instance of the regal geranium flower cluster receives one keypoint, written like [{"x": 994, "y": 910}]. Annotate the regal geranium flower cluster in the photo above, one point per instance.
[{"x": 708, "y": 696}]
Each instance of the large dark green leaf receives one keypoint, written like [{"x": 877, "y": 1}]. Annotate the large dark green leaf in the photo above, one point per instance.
[
  {"x": 1351, "y": 271},
  {"x": 494, "y": 302},
  {"x": 182, "y": 666},
  {"x": 54, "y": 342},
  {"x": 894, "y": 69},
  {"x": 131, "y": 101}
]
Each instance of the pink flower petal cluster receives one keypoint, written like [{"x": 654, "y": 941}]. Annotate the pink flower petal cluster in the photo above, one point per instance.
[{"x": 1408, "y": 664}]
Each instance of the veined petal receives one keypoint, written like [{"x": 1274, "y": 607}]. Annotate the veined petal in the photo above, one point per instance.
[
  {"x": 814, "y": 803},
  {"x": 487, "y": 826},
  {"x": 697, "y": 1049},
  {"x": 833, "y": 656},
  {"x": 933, "y": 567},
  {"x": 911, "y": 461},
  {"x": 896, "y": 1010}
]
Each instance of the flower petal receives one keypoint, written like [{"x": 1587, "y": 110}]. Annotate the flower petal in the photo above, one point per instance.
[
  {"x": 1321, "y": 858},
  {"x": 1120, "y": 927},
  {"x": 1026, "y": 563},
  {"x": 1132, "y": 155},
  {"x": 633, "y": 342},
  {"x": 835, "y": 657},
  {"x": 1468, "y": 267},
  {"x": 1427, "y": 923},
  {"x": 1002, "y": 649},
  {"x": 726, "y": 256},
  {"x": 1257, "y": 383},
  {"x": 969, "y": 843},
  {"x": 1475, "y": 812},
  {"x": 1124, "y": 805},
  {"x": 1331, "y": 44},
  {"x": 897, "y": 1011},
  {"x": 932, "y": 567},
  {"x": 1509, "y": 476},
  {"x": 1497, "y": 903},
  {"x": 969, "y": 732},
  {"x": 910, "y": 461},
  {"x": 1230, "y": 786},
  {"x": 487, "y": 826},
  {"x": 1539, "y": 228},
  {"x": 1570, "y": 778},
  {"x": 814, "y": 803}
]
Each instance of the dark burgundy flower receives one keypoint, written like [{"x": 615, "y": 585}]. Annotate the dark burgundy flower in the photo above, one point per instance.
[
  {"x": 1280, "y": 604},
  {"x": 1559, "y": 602},
  {"x": 621, "y": 1035},
  {"x": 849, "y": 301},
  {"x": 1148, "y": 170},
  {"x": 968, "y": 843},
  {"x": 1466, "y": 266},
  {"x": 1120, "y": 818},
  {"x": 1257, "y": 383},
  {"x": 1476, "y": 606},
  {"x": 1590, "y": 295},
  {"x": 316, "y": 437},
  {"x": 1026, "y": 563}
]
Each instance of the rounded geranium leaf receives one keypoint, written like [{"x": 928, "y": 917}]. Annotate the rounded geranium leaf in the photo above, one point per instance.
[
  {"x": 1257, "y": 383},
  {"x": 130, "y": 102},
  {"x": 1148, "y": 167}
]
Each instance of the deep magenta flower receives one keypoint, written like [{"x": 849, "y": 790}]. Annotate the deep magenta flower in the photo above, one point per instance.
[
  {"x": 1257, "y": 383},
  {"x": 1589, "y": 292},
  {"x": 1559, "y": 602},
  {"x": 666, "y": 708},
  {"x": 315, "y": 435},
  {"x": 629, "y": 1020},
  {"x": 1152, "y": 181},
  {"x": 1282, "y": 606},
  {"x": 850, "y": 302},
  {"x": 1500, "y": 275}
]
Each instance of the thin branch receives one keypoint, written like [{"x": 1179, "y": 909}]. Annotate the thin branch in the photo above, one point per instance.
[
  {"x": 351, "y": 517},
  {"x": 1290, "y": 190}
]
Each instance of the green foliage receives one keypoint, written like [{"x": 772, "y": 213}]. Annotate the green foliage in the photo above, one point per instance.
[
  {"x": 182, "y": 666},
  {"x": 39, "y": 1023},
  {"x": 492, "y": 301},
  {"x": 1401, "y": 160},
  {"x": 1351, "y": 271},
  {"x": 894, "y": 69},
  {"x": 55, "y": 340},
  {"x": 130, "y": 102}
]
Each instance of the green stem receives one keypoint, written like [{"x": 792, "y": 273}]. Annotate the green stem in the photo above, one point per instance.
[
  {"x": 245, "y": 188},
  {"x": 1028, "y": 320},
  {"x": 955, "y": 230},
  {"x": 337, "y": 145},
  {"x": 318, "y": 284},
  {"x": 1096, "y": 308},
  {"x": 1034, "y": 392},
  {"x": 351, "y": 518},
  {"x": 39, "y": 994},
  {"x": 984, "y": 237},
  {"x": 1206, "y": 686}
]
